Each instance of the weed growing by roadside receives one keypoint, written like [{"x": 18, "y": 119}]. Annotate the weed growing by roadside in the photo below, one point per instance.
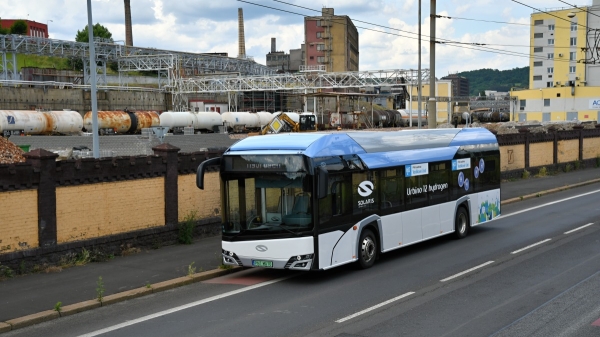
[
  {"x": 521, "y": 197},
  {"x": 58, "y": 307},
  {"x": 538, "y": 195},
  {"x": 568, "y": 168},
  {"x": 526, "y": 174},
  {"x": 186, "y": 228},
  {"x": 99, "y": 289},
  {"x": 577, "y": 164},
  {"x": 543, "y": 172},
  {"x": 6, "y": 272},
  {"x": 191, "y": 269},
  {"x": 148, "y": 285},
  {"x": 598, "y": 161}
]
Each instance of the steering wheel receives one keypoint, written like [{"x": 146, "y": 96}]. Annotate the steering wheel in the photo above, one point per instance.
[{"x": 254, "y": 221}]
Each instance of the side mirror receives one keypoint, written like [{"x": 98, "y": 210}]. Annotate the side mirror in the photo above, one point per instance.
[
  {"x": 322, "y": 182},
  {"x": 202, "y": 167}
]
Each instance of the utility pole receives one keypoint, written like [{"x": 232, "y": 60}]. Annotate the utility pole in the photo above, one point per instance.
[
  {"x": 432, "y": 113},
  {"x": 419, "y": 85},
  {"x": 95, "y": 139}
]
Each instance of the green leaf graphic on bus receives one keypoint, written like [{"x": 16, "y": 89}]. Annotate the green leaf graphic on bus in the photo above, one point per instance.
[{"x": 488, "y": 211}]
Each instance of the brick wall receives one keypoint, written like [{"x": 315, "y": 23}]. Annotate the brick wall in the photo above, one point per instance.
[
  {"x": 95, "y": 210},
  {"x": 203, "y": 203},
  {"x": 18, "y": 229}
]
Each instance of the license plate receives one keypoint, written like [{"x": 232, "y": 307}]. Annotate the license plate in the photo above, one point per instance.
[{"x": 262, "y": 263}]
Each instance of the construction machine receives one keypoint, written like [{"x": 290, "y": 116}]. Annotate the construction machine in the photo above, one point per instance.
[{"x": 285, "y": 122}]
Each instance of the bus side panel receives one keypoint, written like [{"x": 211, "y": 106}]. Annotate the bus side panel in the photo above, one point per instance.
[
  {"x": 344, "y": 251},
  {"x": 487, "y": 207},
  {"x": 411, "y": 226},
  {"x": 391, "y": 228},
  {"x": 430, "y": 222},
  {"x": 327, "y": 243},
  {"x": 447, "y": 217}
]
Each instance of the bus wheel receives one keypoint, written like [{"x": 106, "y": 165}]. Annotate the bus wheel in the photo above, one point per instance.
[
  {"x": 367, "y": 249},
  {"x": 461, "y": 223}
]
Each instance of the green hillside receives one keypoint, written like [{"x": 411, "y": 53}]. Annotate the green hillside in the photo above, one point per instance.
[{"x": 494, "y": 79}]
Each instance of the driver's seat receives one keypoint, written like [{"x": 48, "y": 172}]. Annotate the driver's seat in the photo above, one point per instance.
[{"x": 301, "y": 204}]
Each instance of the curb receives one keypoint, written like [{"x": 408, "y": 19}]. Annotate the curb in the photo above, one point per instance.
[
  {"x": 553, "y": 190},
  {"x": 71, "y": 309}
]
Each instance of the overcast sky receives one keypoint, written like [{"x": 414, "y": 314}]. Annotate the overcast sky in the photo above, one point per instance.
[{"x": 211, "y": 26}]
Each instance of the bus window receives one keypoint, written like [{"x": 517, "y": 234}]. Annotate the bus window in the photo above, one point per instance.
[
  {"x": 416, "y": 194},
  {"x": 392, "y": 187},
  {"x": 438, "y": 183}
]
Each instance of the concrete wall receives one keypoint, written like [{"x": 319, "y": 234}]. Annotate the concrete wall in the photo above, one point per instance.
[{"x": 25, "y": 98}]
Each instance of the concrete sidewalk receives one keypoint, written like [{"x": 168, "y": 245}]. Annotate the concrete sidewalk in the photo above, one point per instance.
[{"x": 30, "y": 299}]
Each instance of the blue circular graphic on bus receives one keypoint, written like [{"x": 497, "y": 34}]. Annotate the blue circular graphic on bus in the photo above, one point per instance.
[
  {"x": 467, "y": 184},
  {"x": 476, "y": 172},
  {"x": 481, "y": 165},
  {"x": 461, "y": 179}
]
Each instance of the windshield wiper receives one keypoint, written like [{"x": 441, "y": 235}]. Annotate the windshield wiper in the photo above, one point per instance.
[{"x": 286, "y": 229}]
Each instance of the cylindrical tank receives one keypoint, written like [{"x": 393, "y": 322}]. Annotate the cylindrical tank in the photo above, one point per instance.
[
  {"x": 206, "y": 120},
  {"x": 66, "y": 121},
  {"x": 146, "y": 119},
  {"x": 123, "y": 121},
  {"x": 265, "y": 117},
  {"x": 241, "y": 119},
  {"x": 177, "y": 119},
  {"x": 40, "y": 122}
]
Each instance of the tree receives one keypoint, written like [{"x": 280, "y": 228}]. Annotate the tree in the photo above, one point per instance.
[
  {"x": 19, "y": 27},
  {"x": 83, "y": 36},
  {"x": 99, "y": 31},
  {"x": 3, "y": 31}
]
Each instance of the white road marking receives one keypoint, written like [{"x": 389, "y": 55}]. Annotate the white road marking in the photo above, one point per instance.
[
  {"x": 466, "y": 271},
  {"x": 182, "y": 307},
  {"x": 547, "y": 204},
  {"x": 578, "y": 228},
  {"x": 374, "y": 307},
  {"x": 533, "y": 245}
]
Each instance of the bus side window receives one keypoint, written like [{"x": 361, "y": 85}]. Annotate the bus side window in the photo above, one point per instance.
[{"x": 391, "y": 188}]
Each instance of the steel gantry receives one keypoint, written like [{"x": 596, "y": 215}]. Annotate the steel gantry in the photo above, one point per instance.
[
  {"x": 107, "y": 51},
  {"x": 299, "y": 81}
]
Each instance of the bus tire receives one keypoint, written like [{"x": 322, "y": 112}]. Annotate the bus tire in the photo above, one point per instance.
[
  {"x": 367, "y": 249},
  {"x": 461, "y": 223}
]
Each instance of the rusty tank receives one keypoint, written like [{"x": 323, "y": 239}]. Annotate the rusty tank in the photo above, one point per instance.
[{"x": 123, "y": 122}]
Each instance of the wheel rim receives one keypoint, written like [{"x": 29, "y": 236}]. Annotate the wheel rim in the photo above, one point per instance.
[
  {"x": 368, "y": 249},
  {"x": 462, "y": 222}
]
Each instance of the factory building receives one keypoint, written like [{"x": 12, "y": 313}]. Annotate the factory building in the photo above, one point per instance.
[
  {"x": 34, "y": 29},
  {"x": 331, "y": 41}
]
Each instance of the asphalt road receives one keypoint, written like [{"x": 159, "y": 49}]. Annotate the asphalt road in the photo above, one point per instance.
[{"x": 534, "y": 272}]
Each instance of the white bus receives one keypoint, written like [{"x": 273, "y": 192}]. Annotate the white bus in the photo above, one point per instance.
[{"x": 307, "y": 201}]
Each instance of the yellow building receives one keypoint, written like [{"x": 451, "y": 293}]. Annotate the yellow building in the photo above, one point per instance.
[
  {"x": 564, "y": 79},
  {"x": 443, "y": 92}
]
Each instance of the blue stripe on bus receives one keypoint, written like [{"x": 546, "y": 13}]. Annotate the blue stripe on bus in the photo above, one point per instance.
[
  {"x": 336, "y": 144},
  {"x": 396, "y": 158}
]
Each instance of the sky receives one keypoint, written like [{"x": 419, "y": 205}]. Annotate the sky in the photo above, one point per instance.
[{"x": 388, "y": 37}]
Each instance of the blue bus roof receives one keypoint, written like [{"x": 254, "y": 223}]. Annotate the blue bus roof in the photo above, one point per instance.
[{"x": 376, "y": 148}]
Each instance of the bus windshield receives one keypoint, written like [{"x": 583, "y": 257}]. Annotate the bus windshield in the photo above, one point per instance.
[{"x": 267, "y": 204}]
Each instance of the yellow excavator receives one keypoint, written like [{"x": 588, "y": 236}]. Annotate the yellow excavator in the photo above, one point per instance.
[{"x": 284, "y": 123}]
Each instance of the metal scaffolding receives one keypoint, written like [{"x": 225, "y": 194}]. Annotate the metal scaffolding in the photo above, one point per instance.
[
  {"x": 106, "y": 51},
  {"x": 300, "y": 81}
]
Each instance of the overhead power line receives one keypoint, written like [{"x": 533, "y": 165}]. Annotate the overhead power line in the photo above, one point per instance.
[{"x": 457, "y": 44}]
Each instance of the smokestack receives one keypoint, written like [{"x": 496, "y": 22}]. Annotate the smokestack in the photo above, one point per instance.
[
  {"x": 273, "y": 45},
  {"x": 128, "y": 31},
  {"x": 241, "y": 39}
]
